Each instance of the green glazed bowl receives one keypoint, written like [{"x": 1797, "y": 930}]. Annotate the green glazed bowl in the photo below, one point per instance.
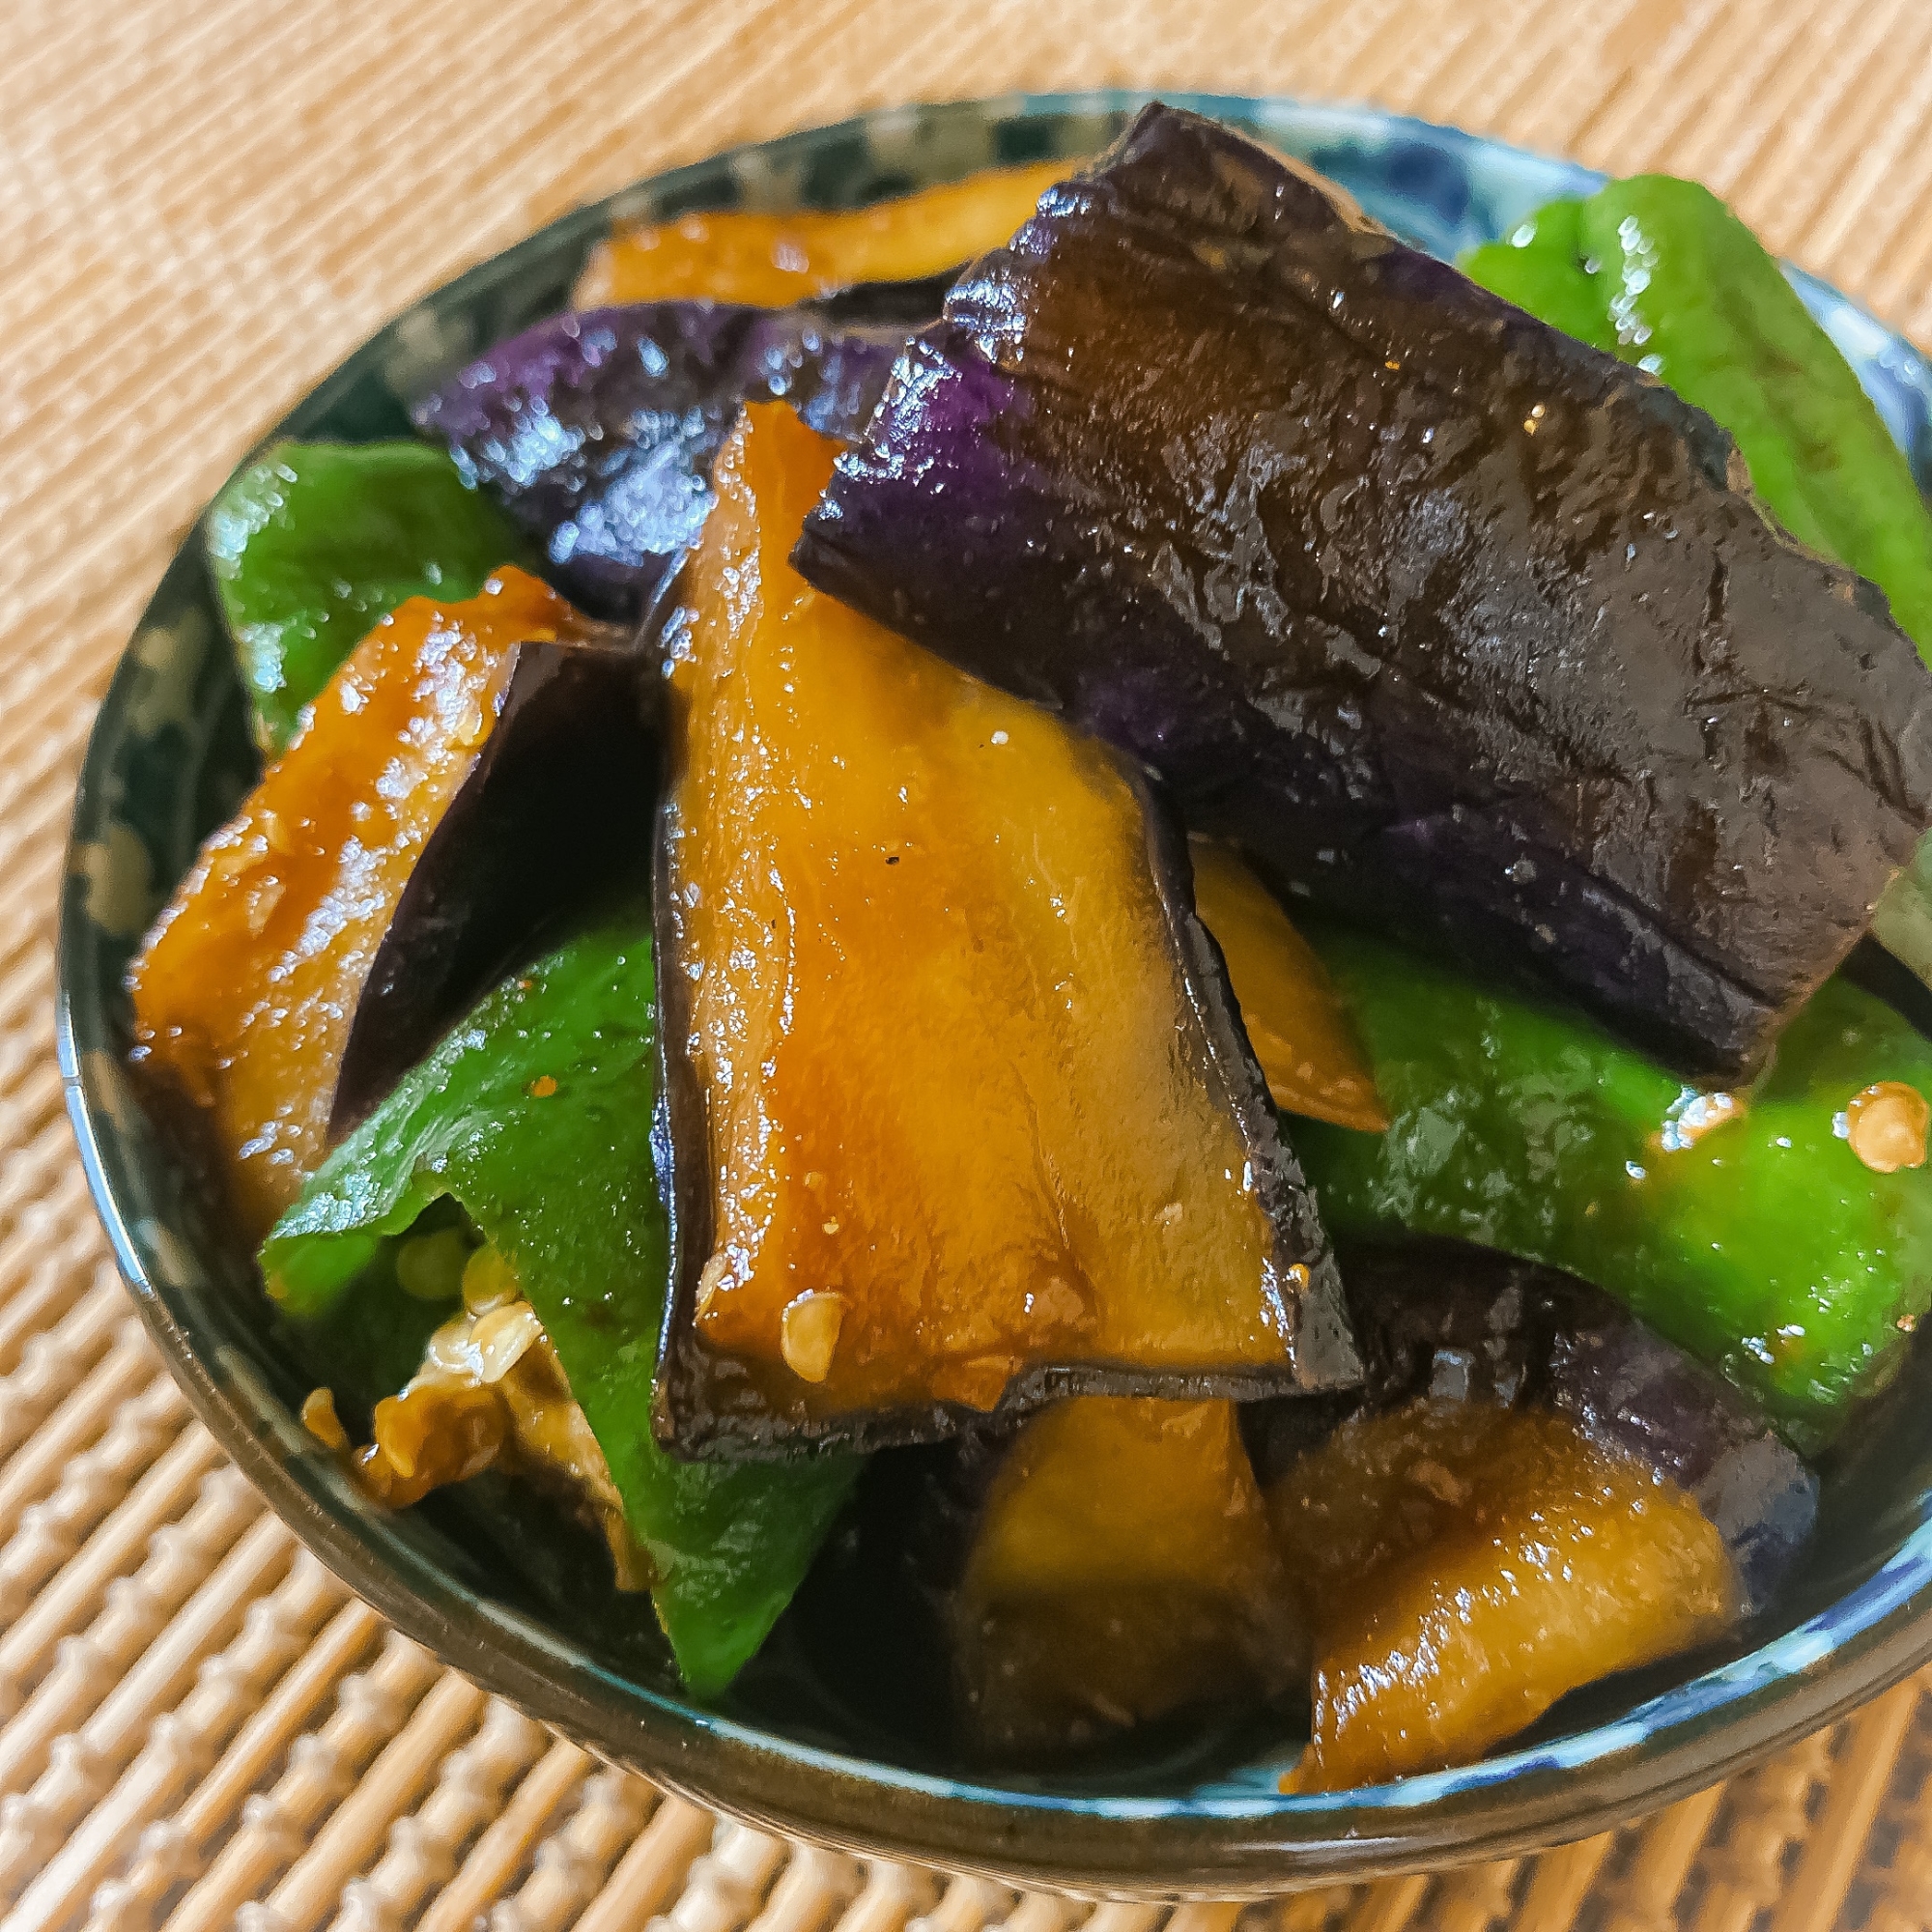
[{"x": 493, "y": 1586}]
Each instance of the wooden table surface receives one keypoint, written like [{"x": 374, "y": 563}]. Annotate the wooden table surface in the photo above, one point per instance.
[{"x": 204, "y": 204}]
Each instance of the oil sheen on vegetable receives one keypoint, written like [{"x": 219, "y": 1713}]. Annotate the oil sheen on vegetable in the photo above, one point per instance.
[
  {"x": 1463, "y": 1567},
  {"x": 1122, "y": 1568},
  {"x": 968, "y": 1108},
  {"x": 1749, "y": 1227},
  {"x": 776, "y": 259},
  {"x": 245, "y": 991},
  {"x": 1296, "y": 1024}
]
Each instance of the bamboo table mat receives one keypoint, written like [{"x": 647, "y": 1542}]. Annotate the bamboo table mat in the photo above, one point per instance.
[{"x": 204, "y": 204}]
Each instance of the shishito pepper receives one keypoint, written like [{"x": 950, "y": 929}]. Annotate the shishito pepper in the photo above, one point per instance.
[
  {"x": 316, "y": 541},
  {"x": 535, "y": 1117},
  {"x": 1782, "y": 1233}
]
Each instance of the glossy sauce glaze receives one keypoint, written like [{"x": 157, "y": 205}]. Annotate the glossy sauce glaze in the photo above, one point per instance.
[
  {"x": 247, "y": 988},
  {"x": 803, "y": 254},
  {"x": 597, "y": 429},
  {"x": 1462, "y": 1566},
  {"x": 1449, "y": 622},
  {"x": 1452, "y": 622},
  {"x": 1748, "y": 1226},
  {"x": 1122, "y": 1567},
  {"x": 1295, "y": 1021},
  {"x": 967, "y": 1111}
]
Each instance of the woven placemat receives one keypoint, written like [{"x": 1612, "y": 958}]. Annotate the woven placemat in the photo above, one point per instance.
[{"x": 204, "y": 204}]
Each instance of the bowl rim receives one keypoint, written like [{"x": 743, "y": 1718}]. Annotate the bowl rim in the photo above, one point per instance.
[{"x": 1244, "y": 1843}]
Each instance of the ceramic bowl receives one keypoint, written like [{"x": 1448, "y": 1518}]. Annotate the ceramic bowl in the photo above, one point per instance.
[{"x": 488, "y": 1583}]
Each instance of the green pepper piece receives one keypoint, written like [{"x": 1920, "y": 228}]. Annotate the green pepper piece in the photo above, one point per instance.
[
  {"x": 534, "y": 1115},
  {"x": 1540, "y": 267},
  {"x": 314, "y": 543},
  {"x": 1761, "y": 1244},
  {"x": 1661, "y": 273}
]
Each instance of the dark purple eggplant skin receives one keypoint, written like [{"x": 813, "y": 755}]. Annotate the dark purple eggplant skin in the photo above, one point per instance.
[
  {"x": 705, "y": 1406},
  {"x": 596, "y": 430},
  {"x": 554, "y": 812},
  {"x": 1457, "y": 626},
  {"x": 1461, "y": 1324}
]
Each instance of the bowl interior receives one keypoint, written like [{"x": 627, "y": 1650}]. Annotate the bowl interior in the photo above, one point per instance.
[{"x": 830, "y": 1733}]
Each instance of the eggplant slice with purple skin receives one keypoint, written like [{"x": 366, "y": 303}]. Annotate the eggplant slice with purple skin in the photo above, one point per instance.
[
  {"x": 596, "y": 430},
  {"x": 555, "y": 814},
  {"x": 472, "y": 772},
  {"x": 1455, "y": 624},
  {"x": 1447, "y": 1323},
  {"x": 1535, "y": 1493},
  {"x": 960, "y": 1113}
]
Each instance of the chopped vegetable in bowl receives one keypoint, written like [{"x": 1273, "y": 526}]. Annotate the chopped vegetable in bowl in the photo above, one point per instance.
[{"x": 877, "y": 746}]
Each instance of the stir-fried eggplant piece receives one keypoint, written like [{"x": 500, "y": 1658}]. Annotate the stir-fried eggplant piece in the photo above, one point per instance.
[
  {"x": 1442, "y": 1321},
  {"x": 1536, "y": 1491},
  {"x": 597, "y": 431},
  {"x": 1463, "y": 1567},
  {"x": 1660, "y": 272},
  {"x": 1295, "y": 1021},
  {"x": 1453, "y": 622},
  {"x": 428, "y": 818},
  {"x": 1120, "y": 1567},
  {"x": 743, "y": 255},
  {"x": 555, "y": 807},
  {"x": 960, "y": 1115}
]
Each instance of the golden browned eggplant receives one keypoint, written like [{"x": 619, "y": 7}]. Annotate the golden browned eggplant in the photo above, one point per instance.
[
  {"x": 1121, "y": 1568},
  {"x": 1295, "y": 1021},
  {"x": 428, "y": 816},
  {"x": 743, "y": 255},
  {"x": 1464, "y": 1566},
  {"x": 1537, "y": 1491},
  {"x": 960, "y": 1115}
]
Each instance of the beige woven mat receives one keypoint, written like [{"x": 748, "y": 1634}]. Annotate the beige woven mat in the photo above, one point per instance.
[{"x": 203, "y": 204}]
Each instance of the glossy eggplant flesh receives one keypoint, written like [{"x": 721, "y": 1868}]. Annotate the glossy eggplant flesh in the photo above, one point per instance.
[
  {"x": 422, "y": 826},
  {"x": 1453, "y": 623},
  {"x": 1462, "y": 1566},
  {"x": 1303, "y": 1039},
  {"x": 1120, "y": 1568},
  {"x": 960, "y": 1115},
  {"x": 754, "y": 255},
  {"x": 597, "y": 430},
  {"x": 1098, "y": 1574},
  {"x": 1446, "y": 1323},
  {"x": 554, "y": 814}
]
